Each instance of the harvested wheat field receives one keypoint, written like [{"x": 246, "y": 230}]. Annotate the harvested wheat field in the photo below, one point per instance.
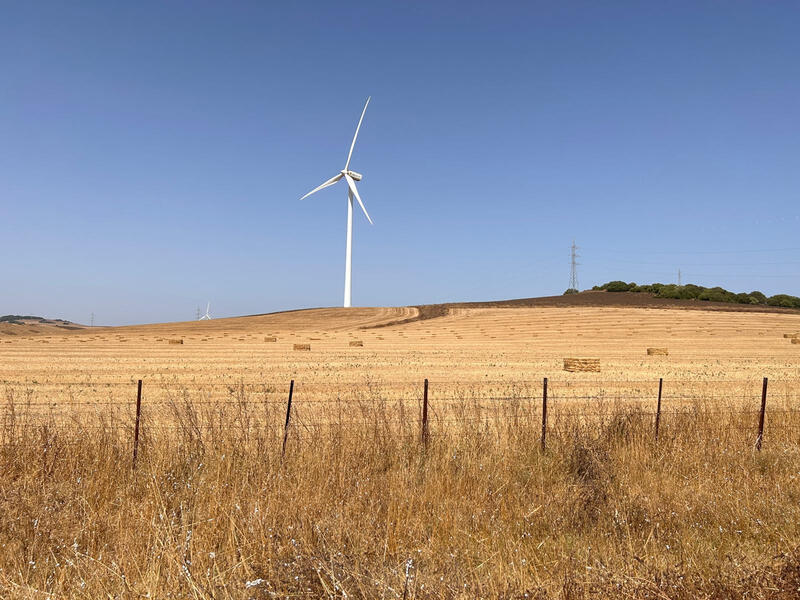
[{"x": 353, "y": 501}]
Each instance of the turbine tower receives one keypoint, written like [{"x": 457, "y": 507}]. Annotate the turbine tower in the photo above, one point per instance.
[
  {"x": 351, "y": 177},
  {"x": 206, "y": 316}
]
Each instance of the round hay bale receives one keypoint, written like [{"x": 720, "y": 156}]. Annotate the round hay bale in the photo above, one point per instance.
[
  {"x": 657, "y": 351},
  {"x": 302, "y": 347},
  {"x": 585, "y": 365},
  {"x": 356, "y": 343},
  {"x": 269, "y": 338},
  {"x": 796, "y": 340}
]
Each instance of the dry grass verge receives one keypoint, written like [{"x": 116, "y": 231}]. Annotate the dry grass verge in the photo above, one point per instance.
[{"x": 357, "y": 509}]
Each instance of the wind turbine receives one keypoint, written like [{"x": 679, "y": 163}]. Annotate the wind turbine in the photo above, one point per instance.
[
  {"x": 206, "y": 316},
  {"x": 351, "y": 177}
]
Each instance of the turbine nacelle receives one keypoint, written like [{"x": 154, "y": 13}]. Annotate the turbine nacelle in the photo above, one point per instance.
[{"x": 353, "y": 174}]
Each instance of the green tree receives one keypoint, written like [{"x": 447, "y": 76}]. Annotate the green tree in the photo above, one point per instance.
[
  {"x": 618, "y": 286},
  {"x": 784, "y": 300}
]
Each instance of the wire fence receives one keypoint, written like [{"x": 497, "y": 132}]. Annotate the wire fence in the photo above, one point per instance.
[{"x": 425, "y": 409}]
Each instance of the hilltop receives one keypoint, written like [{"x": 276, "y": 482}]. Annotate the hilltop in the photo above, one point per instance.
[
  {"x": 588, "y": 299},
  {"x": 29, "y": 324}
]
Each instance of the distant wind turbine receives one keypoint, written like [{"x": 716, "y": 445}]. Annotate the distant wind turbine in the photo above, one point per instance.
[
  {"x": 351, "y": 177},
  {"x": 208, "y": 314}
]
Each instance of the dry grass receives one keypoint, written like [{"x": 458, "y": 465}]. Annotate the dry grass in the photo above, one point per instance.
[{"x": 357, "y": 508}]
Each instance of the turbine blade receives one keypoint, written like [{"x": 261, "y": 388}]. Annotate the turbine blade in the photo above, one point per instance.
[
  {"x": 353, "y": 145},
  {"x": 352, "y": 184},
  {"x": 330, "y": 181}
]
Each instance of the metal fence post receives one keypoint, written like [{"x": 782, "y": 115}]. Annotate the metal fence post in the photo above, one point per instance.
[
  {"x": 136, "y": 427},
  {"x": 544, "y": 414},
  {"x": 658, "y": 408},
  {"x": 288, "y": 415},
  {"x": 761, "y": 416},
  {"x": 425, "y": 414}
]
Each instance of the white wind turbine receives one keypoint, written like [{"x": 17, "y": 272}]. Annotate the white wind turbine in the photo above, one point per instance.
[
  {"x": 351, "y": 177},
  {"x": 208, "y": 314}
]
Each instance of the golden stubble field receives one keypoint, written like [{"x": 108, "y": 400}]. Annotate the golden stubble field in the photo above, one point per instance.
[
  {"x": 487, "y": 349},
  {"x": 358, "y": 506}
]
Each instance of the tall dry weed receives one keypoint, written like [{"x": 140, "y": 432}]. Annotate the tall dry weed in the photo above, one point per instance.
[{"x": 358, "y": 508}]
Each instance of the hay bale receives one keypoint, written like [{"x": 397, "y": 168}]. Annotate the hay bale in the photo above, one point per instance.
[
  {"x": 175, "y": 341},
  {"x": 303, "y": 347},
  {"x": 657, "y": 351},
  {"x": 586, "y": 365},
  {"x": 356, "y": 343},
  {"x": 791, "y": 335},
  {"x": 796, "y": 340},
  {"x": 268, "y": 338}
]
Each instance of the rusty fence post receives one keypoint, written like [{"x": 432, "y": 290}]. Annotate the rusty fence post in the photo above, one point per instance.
[
  {"x": 544, "y": 414},
  {"x": 761, "y": 415},
  {"x": 288, "y": 415},
  {"x": 658, "y": 408},
  {"x": 136, "y": 427},
  {"x": 425, "y": 414}
]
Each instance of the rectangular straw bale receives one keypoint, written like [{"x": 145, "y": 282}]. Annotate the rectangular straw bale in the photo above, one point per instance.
[
  {"x": 659, "y": 351},
  {"x": 588, "y": 365},
  {"x": 302, "y": 346},
  {"x": 356, "y": 343}
]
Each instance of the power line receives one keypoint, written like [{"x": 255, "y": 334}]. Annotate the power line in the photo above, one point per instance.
[
  {"x": 751, "y": 251},
  {"x": 750, "y": 264}
]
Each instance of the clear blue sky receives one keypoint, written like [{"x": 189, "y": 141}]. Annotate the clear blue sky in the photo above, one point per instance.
[{"x": 152, "y": 153}]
